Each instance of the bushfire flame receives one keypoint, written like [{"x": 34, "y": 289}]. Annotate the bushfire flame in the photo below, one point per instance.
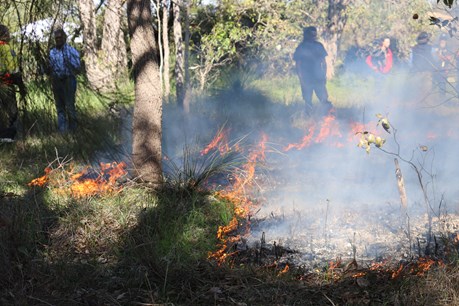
[
  {"x": 87, "y": 182},
  {"x": 220, "y": 142},
  {"x": 329, "y": 128},
  {"x": 237, "y": 195}
]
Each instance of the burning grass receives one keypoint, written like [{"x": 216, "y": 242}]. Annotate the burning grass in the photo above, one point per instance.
[{"x": 119, "y": 243}]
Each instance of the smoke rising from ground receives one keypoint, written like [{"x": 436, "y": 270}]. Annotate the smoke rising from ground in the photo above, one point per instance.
[{"x": 330, "y": 190}]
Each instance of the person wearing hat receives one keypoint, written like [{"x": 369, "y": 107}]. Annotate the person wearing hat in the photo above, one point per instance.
[
  {"x": 8, "y": 102},
  {"x": 311, "y": 69}
]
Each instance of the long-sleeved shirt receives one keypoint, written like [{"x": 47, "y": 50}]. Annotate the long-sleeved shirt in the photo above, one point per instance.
[{"x": 64, "y": 62}]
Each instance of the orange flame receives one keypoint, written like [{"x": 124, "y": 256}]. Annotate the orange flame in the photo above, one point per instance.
[
  {"x": 105, "y": 181},
  {"x": 87, "y": 182},
  {"x": 304, "y": 143},
  {"x": 329, "y": 128},
  {"x": 424, "y": 264},
  {"x": 284, "y": 270},
  {"x": 359, "y": 274},
  {"x": 334, "y": 264},
  {"x": 236, "y": 194},
  {"x": 220, "y": 142},
  {"x": 42, "y": 180},
  {"x": 397, "y": 273}
]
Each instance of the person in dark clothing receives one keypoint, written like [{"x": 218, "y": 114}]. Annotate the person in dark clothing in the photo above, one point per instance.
[
  {"x": 422, "y": 54},
  {"x": 311, "y": 69},
  {"x": 423, "y": 63}
]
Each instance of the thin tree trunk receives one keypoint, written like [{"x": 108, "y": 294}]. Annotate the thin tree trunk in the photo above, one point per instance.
[
  {"x": 93, "y": 73},
  {"x": 114, "y": 62},
  {"x": 159, "y": 40},
  {"x": 187, "y": 85},
  {"x": 147, "y": 129},
  {"x": 179, "y": 58},
  {"x": 103, "y": 68},
  {"x": 166, "y": 58}
]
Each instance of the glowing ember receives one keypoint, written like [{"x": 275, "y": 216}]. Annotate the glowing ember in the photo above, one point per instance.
[
  {"x": 284, "y": 270},
  {"x": 397, "y": 273},
  {"x": 424, "y": 264},
  {"x": 334, "y": 264},
  {"x": 359, "y": 275}
]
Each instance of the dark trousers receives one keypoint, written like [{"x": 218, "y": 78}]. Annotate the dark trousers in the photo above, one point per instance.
[
  {"x": 8, "y": 111},
  {"x": 64, "y": 90},
  {"x": 309, "y": 86}
]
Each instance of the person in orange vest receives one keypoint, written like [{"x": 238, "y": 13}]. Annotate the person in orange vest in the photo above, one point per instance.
[
  {"x": 8, "y": 78},
  {"x": 381, "y": 59}
]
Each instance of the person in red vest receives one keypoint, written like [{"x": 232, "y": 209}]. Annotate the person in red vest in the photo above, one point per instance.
[
  {"x": 381, "y": 59},
  {"x": 8, "y": 73}
]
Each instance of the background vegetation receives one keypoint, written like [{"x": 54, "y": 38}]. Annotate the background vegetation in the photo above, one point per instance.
[{"x": 142, "y": 246}]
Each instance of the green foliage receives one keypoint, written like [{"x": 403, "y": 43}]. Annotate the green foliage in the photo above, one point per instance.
[
  {"x": 196, "y": 169},
  {"x": 370, "y": 20}
]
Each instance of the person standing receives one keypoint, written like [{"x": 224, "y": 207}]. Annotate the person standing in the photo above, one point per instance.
[
  {"x": 381, "y": 59},
  {"x": 422, "y": 64},
  {"x": 8, "y": 76},
  {"x": 444, "y": 63},
  {"x": 64, "y": 63},
  {"x": 312, "y": 69}
]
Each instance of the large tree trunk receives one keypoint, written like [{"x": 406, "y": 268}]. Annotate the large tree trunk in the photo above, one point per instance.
[
  {"x": 146, "y": 146},
  {"x": 179, "y": 58},
  {"x": 113, "y": 45},
  {"x": 337, "y": 19},
  {"x": 166, "y": 67}
]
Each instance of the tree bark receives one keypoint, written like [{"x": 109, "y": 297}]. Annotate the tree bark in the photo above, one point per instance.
[
  {"x": 187, "y": 87},
  {"x": 337, "y": 18},
  {"x": 93, "y": 71},
  {"x": 105, "y": 65},
  {"x": 166, "y": 58},
  {"x": 114, "y": 57},
  {"x": 179, "y": 57},
  {"x": 147, "y": 129}
]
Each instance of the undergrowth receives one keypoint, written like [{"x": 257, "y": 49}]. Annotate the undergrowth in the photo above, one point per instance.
[{"x": 142, "y": 246}]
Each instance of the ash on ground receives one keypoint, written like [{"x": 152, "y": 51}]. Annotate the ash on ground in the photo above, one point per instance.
[{"x": 366, "y": 234}]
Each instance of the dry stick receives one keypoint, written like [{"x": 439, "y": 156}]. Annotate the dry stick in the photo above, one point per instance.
[
  {"x": 401, "y": 189},
  {"x": 326, "y": 218}
]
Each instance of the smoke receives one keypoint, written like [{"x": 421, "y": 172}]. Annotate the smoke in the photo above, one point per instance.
[{"x": 330, "y": 197}]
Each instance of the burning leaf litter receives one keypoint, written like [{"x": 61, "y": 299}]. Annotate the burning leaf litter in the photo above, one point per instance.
[{"x": 84, "y": 183}]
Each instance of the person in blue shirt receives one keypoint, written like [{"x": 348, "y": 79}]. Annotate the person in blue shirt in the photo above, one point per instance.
[{"x": 64, "y": 63}]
